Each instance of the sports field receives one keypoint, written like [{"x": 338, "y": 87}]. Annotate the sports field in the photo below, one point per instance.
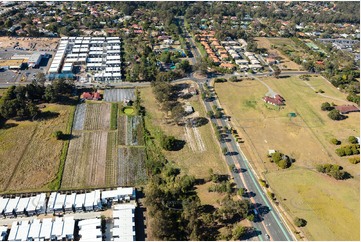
[
  {"x": 27, "y": 162},
  {"x": 305, "y": 137}
]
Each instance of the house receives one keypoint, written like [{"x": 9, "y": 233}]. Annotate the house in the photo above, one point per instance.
[
  {"x": 91, "y": 96},
  {"x": 188, "y": 109},
  {"x": 277, "y": 100},
  {"x": 344, "y": 109}
]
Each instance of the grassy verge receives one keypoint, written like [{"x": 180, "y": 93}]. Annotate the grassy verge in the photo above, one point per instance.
[
  {"x": 55, "y": 184},
  {"x": 113, "y": 116},
  {"x": 201, "y": 49}
]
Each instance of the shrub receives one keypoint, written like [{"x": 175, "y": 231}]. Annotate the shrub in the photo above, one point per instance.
[
  {"x": 58, "y": 135},
  {"x": 241, "y": 191},
  {"x": 300, "y": 222},
  {"x": 352, "y": 140},
  {"x": 326, "y": 106},
  {"x": 348, "y": 150},
  {"x": 168, "y": 142},
  {"x": 333, "y": 170},
  {"x": 321, "y": 91},
  {"x": 271, "y": 195},
  {"x": 335, "y": 141},
  {"x": 263, "y": 183},
  {"x": 354, "y": 160}
]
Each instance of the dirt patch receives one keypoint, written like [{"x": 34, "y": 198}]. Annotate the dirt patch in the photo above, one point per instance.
[{"x": 42, "y": 44}]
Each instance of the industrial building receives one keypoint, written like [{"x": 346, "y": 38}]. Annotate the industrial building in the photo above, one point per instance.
[
  {"x": 90, "y": 230},
  {"x": 100, "y": 57}
]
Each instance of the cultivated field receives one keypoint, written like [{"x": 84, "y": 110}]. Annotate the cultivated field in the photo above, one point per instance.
[
  {"x": 286, "y": 63},
  {"x": 86, "y": 161},
  {"x": 95, "y": 158},
  {"x": 97, "y": 116},
  {"x": 331, "y": 208},
  {"x": 118, "y": 95},
  {"x": 191, "y": 161},
  {"x": 305, "y": 137},
  {"x": 27, "y": 163},
  {"x": 131, "y": 166}
]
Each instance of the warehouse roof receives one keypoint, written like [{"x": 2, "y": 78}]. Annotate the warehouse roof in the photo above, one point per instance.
[
  {"x": 34, "y": 229},
  {"x": 69, "y": 224},
  {"x": 12, "y": 204},
  {"x": 13, "y": 231},
  {"x": 46, "y": 228},
  {"x": 70, "y": 200},
  {"x": 79, "y": 200},
  {"x": 59, "y": 201},
  {"x": 3, "y": 203},
  {"x": 23, "y": 204},
  {"x": 23, "y": 231}
]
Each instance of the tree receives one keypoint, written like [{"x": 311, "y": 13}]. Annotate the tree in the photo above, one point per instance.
[
  {"x": 335, "y": 115},
  {"x": 178, "y": 112},
  {"x": 326, "y": 106},
  {"x": 224, "y": 150},
  {"x": 168, "y": 142},
  {"x": 352, "y": 140},
  {"x": 238, "y": 232},
  {"x": 300, "y": 222}
]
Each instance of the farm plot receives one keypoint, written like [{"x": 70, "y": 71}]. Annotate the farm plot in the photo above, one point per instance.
[
  {"x": 131, "y": 166},
  {"x": 86, "y": 161},
  {"x": 97, "y": 116},
  {"x": 118, "y": 95},
  {"x": 79, "y": 117},
  {"x": 122, "y": 129},
  {"x": 111, "y": 162}
]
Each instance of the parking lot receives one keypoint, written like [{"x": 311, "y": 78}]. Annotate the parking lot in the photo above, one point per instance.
[{"x": 25, "y": 74}]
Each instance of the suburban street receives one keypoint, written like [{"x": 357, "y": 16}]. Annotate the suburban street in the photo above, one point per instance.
[{"x": 268, "y": 223}]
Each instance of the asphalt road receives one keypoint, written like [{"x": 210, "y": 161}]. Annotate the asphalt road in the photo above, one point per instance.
[{"x": 268, "y": 224}]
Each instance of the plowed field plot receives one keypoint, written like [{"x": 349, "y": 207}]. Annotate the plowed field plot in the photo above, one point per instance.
[
  {"x": 130, "y": 130},
  {"x": 86, "y": 161},
  {"x": 131, "y": 166},
  {"x": 111, "y": 162},
  {"x": 97, "y": 116},
  {"x": 122, "y": 129},
  {"x": 79, "y": 117},
  {"x": 118, "y": 95}
]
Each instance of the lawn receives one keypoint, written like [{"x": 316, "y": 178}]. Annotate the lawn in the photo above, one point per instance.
[
  {"x": 192, "y": 163},
  {"x": 27, "y": 162},
  {"x": 321, "y": 201},
  {"x": 305, "y": 137}
]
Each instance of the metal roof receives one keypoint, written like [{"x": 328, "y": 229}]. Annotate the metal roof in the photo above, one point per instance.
[
  {"x": 70, "y": 200},
  {"x": 13, "y": 231},
  {"x": 34, "y": 229},
  {"x": 3, "y": 203},
  {"x": 60, "y": 199},
  {"x": 23, "y": 231},
  {"x": 23, "y": 204},
  {"x": 46, "y": 228},
  {"x": 79, "y": 200},
  {"x": 69, "y": 224},
  {"x": 12, "y": 204}
]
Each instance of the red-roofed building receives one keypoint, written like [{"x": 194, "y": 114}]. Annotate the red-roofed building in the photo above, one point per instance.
[
  {"x": 277, "y": 100},
  {"x": 344, "y": 109},
  {"x": 91, "y": 96}
]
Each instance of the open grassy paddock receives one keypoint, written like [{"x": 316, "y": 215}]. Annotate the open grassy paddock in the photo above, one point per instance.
[
  {"x": 305, "y": 137},
  {"x": 331, "y": 208},
  {"x": 286, "y": 63},
  {"x": 27, "y": 162},
  {"x": 191, "y": 162}
]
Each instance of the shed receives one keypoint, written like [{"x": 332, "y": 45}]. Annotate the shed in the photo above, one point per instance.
[
  {"x": 41, "y": 206},
  {"x": 188, "y": 109},
  {"x": 33, "y": 202}
]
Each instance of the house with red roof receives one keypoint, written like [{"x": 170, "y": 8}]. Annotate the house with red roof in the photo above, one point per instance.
[
  {"x": 277, "y": 100},
  {"x": 91, "y": 96},
  {"x": 344, "y": 109}
]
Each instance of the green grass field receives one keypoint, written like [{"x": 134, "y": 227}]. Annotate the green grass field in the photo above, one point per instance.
[
  {"x": 331, "y": 208},
  {"x": 305, "y": 137}
]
